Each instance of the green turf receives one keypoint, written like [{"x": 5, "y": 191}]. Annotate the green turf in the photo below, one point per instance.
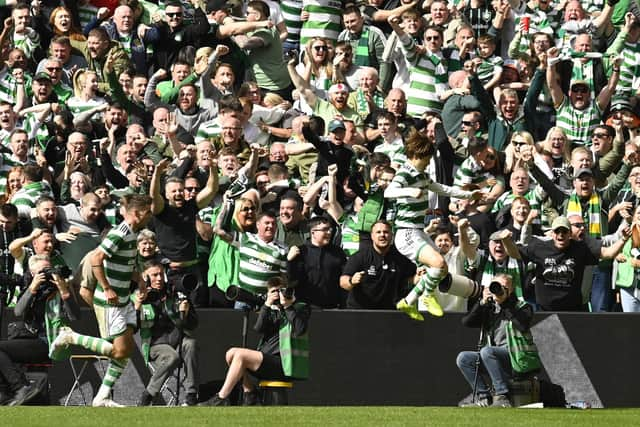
[{"x": 314, "y": 416}]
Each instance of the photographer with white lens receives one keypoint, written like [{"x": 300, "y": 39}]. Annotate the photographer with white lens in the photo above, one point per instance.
[
  {"x": 505, "y": 347},
  {"x": 167, "y": 320},
  {"x": 283, "y": 351}
]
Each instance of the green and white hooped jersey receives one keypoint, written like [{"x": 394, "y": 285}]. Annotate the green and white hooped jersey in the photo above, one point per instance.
[
  {"x": 119, "y": 246},
  {"x": 208, "y": 131},
  {"x": 7, "y": 86},
  {"x": 325, "y": 20},
  {"x": 86, "y": 13},
  {"x": 259, "y": 261},
  {"x": 28, "y": 42},
  {"x": 489, "y": 67},
  {"x": 291, "y": 10},
  {"x": 77, "y": 105},
  {"x": 629, "y": 68},
  {"x": 410, "y": 212},
  {"x": 428, "y": 77},
  {"x": 578, "y": 124}
]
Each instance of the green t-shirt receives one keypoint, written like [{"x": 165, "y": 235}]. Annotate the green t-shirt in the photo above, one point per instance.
[{"x": 268, "y": 66}]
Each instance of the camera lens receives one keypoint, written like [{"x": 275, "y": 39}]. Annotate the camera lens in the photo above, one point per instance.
[{"x": 496, "y": 289}]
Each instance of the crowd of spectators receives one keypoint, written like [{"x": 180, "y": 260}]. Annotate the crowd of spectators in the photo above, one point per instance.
[{"x": 373, "y": 154}]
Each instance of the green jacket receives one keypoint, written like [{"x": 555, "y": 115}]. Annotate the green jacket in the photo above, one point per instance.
[{"x": 121, "y": 62}]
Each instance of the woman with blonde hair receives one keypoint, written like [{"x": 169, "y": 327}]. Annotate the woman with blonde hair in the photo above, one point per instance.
[
  {"x": 317, "y": 67},
  {"x": 224, "y": 258},
  {"x": 519, "y": 139},
  {"x": 558, "y": 147},
  {"x": 85, "y": 93}
]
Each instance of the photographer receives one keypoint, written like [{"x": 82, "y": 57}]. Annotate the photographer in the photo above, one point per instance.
[
  {"x": 507, "y": 344},
  {"x": 283, "y": 351},
  {"x": 166, "y": 320},
  {"x": 45, "y": 306}
]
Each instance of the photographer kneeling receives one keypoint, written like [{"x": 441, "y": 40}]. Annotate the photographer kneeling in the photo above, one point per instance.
[
  {"x": 283, "y": 351},
  {"x": 166, "y": 319},
  {"x": 46, "y": 305},
  {"x": 506, "y": 343}
]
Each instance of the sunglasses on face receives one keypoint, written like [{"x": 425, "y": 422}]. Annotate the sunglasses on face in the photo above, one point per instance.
[
  {"x": 465, "y": 123},
  {"x": 490, "y": 157},
  {"x": 54, "y": 69},
  {"x": 320, "y": 48},
  {"x": 600, "y": 135},
  {"x": 432, "y": 38},
  {"x": 580, "y": 89},
  {"x": 174, "y": 14},
  {"x": 248, "y": 209},
  {"x": 518, "y": 143}
]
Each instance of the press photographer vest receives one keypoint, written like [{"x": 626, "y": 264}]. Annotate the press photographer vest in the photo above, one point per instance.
[{"x": 523, "y": 352}]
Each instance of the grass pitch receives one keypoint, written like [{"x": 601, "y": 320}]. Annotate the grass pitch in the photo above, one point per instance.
[{"x": 52, "y": 416}]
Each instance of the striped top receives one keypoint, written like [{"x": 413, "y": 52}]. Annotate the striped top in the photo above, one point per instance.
[
  {"x": 393, "y": 149},
  {"x": 259, "y": 261},
  {"x": 86, "y": 13},
  {"x": 208, "y": 131},
  {"x": 428, "y": 76},
  {"x": 325, "y": 18},
  {"x": 36, "y": 130},
  {"x": 578, "y": 124},
  {"x": 410, "y": 211},
  {"x": 489, "y": 67},
  {"x": 120, "y": 248},
  {"x": 77, "y": 105},
  {"x": 629, "y": 68},
  {"x": 25, "y": 198},
  {"x": 7, "y": 86},
  {"x": 28, "y": 42},
  {"x": 291, "y": 10},
  {"x": 470, "y": 172}
]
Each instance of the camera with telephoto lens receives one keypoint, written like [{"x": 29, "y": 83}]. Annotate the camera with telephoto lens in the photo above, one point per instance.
[
  {"x": 62, "y": 271},
  {"x": 496, "y": 289},
  {"x": 236, "y": 293},
  {"x": 181, "y": 286}
]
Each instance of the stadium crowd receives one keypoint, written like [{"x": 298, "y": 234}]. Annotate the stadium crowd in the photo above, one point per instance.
[{"x": 373, "y": 155}]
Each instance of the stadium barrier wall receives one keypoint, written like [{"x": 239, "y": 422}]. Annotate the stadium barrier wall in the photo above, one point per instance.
[{"x": 384, "y": 358}]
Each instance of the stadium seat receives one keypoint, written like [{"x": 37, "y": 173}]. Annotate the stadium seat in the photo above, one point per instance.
[{"x": 274, "y": 393}]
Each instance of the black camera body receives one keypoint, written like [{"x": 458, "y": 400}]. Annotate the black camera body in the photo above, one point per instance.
[
  {"x": 287, "y": 292},
  {"x": 62, "y": 271}
]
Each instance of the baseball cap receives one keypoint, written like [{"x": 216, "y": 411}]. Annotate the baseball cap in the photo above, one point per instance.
[
  {"x": 336, "y": 124},
  {"x": 561, "y": 222},
  {"x": 581, "y": 172},
  {"x": 42, "y": 76},
  {"x": 575, "y": 83}
]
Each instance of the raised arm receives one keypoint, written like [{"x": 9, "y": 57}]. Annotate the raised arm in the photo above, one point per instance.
[
  {"x": 553, "y": 82},
  {"x": 205, "y": 196},
  {"x": 300, "y": 83},
  {"x": 157, "y": 204},
  {"x": 605, "y": 94}
]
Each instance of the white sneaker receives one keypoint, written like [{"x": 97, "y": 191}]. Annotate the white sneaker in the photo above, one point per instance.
[
  {"x": 63, "y": 340},
  {"x": 105, "y": 402}
]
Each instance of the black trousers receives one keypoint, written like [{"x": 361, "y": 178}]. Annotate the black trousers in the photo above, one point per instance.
[{"x": 14, "y": 352}]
